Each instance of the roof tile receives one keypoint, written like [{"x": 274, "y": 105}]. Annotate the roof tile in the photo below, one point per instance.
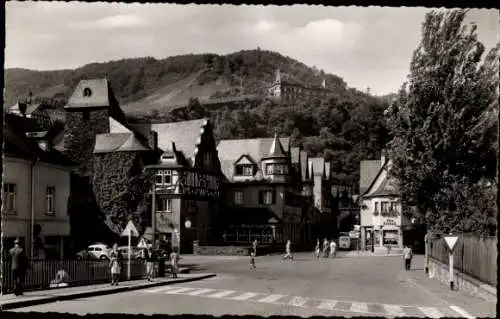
[{"x": 368, "y": 171}]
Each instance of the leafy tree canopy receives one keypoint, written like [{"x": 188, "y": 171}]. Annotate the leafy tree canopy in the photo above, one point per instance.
[{"x": 444, "y": 124}]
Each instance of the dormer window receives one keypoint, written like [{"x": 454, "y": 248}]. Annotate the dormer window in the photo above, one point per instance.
[
  {"x": 87, "y": 92},
  {"x": 245, "y": 170},
  {"x": 163, "y": 177}
]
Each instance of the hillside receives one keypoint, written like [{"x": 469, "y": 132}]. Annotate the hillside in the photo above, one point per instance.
[
  {"x": 143, "y": 84},
  {"x": 346, "y": 128}
]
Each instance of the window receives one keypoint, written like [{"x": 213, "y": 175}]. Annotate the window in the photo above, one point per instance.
[
  {"x": 164, "y": 205},
  {"x": 276, "y": 169},
  {"x": 86, "y": 116},
  {"x": 244, "y": 170},
  {"x": 51, "y": 198},
  {"x": 394, "y": 207},
  {"x": 87, "y": 92},
  {"x": 376, "y": 207},
  {"x": 267, "y": 197},
  {"x": 9, "y": 194},
  {"x": 385, "y": 207},
  {"x": 164, "y": 177},
  {"x": 238, "y": 198}
]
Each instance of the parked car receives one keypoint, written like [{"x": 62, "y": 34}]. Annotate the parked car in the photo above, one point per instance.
[
  {"x": 96, "y": 251},
  {"x": 136, "y": 252}
]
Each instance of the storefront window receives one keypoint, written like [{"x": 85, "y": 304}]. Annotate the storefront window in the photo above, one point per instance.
[{"x": 390, "y": 237}]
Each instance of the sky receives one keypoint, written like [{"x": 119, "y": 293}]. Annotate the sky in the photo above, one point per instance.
[{"x": 366, "y": 46}]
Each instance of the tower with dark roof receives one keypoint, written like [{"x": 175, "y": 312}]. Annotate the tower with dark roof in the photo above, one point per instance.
[
  {"x": 87, "y": 115},
  {"x": 276, "y": 164}
]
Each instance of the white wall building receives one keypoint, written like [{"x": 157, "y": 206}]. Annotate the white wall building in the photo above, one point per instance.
[{"x": 382, "y": 221}]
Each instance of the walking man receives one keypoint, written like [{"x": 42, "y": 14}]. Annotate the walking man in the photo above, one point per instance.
[
  {"x": 253, "y": 253},
  {"x": 407, "y": 255},
  {"x": 288, "y": 250},
  {"x": 19, "y": 267},
  {"x": 333, "y": 248},
  {"x": 149, "y": 264}
]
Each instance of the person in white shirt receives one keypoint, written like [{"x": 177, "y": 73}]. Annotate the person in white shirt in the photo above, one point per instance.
[
  {"x": 407, "y": 255},
  {"x": 333, "y": 248},
  {"x": 288, "y": 249}
]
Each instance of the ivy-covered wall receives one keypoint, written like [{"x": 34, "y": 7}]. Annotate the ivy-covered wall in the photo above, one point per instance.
[
  {"x": 121, "y": 187},
  {"x": 81, "y": 130}
]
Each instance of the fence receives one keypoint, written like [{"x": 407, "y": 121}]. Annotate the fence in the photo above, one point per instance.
[
  {"x": 473, "y": 256},
  {"x": 42, "y": 273}
]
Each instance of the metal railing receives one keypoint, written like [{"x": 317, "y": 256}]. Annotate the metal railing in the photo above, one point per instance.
[
  {"x": 473, "y": 256},
  {"x": 42, "y": 274}
]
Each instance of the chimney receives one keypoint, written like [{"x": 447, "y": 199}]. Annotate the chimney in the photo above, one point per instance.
[
  {"x": 30, "y": 98},
  {"x": 153, "y": 140},
  {"x": 22, "y": 108}
]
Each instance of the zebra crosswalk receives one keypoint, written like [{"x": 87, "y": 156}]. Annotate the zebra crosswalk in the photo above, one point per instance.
[{"x": 385, "y": 310}]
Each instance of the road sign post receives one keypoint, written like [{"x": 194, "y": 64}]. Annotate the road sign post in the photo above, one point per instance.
[
  {"x": 130, "y": 231},
  {"x": 451, "y": 241}
]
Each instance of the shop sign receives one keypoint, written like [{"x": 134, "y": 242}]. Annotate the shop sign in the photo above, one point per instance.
[{"x": 390, "y": 222}]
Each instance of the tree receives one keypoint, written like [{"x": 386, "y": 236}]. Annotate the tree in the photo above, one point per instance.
[{"x": 444, "y": 122}]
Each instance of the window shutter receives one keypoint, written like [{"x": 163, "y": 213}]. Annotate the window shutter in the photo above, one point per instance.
[
  {"x": 274, "y": 196},
  {"x": 261, "y": 199}
]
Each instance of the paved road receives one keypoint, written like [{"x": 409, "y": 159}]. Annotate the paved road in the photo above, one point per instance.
[{"x": 364, "y": 286}]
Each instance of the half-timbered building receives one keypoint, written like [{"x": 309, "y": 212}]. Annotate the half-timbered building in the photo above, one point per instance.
[{"x": 186, "y": 182}]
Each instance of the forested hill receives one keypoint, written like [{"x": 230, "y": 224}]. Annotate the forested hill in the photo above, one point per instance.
[
  {"x": 346, "y": 128},
  {"x": 172, "y": 80}
]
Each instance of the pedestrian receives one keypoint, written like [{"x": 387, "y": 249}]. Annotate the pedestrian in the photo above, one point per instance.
[
  {"x": 115, "y": 265},
  {"x": 20, "y": 265},
  {"x": 317, "y": 250},
  {"x": 325, "y": 248},
  {"x": 333, "y": 248},
  {"x": 407, "y": 255},
  {"x": 149, "y": 265},
  {"x": 174, "y": 262},
  {"x": 253, "y": 253},
  {"x": 288, "y": 250}
]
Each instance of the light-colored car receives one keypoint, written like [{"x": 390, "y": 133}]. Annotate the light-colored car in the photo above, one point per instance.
[
  {"x": 136, "y": 252},
  {"x": 96, "y": 251}
]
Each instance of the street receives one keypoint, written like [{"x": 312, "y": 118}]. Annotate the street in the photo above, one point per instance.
[{"x": 343, "y": 286}]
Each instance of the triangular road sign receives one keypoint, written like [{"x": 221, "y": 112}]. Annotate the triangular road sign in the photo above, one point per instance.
[
  {"x": 142, "y": 243},
  {"x": 130, "y": 229},
  {"x": 451, "y": 241}
]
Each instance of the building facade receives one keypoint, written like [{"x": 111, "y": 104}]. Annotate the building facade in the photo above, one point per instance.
[
  {"x": 269, "y": 192},
  {"x": 36, "y": 185},
  {"x": 288, "y": 90},
  {"x": 382, "y": 220},
  {"x": 186, "y": 183}
]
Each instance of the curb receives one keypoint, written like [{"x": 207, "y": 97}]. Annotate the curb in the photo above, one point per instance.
[{"x": 94, "y": 293}]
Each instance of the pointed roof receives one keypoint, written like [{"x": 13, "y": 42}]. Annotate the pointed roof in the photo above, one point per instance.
[
  {"x": 276, "y": 150},
  {"x": 318, "y": 165},
  {"x": 90, "y": 93},
  {"x": 304, "y": 165},
  {"x": 382, "y": 184},
  {"x": 278, "y": 76},
  {"x": 368, "y": 171},
  {"x": 118, "y": 142}
]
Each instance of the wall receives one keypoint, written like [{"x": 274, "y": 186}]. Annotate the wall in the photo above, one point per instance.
[
  {"x": 18, "y": 171},
  {"x": 251, "y": 197},
  {"x": 462, "y": 282},
  {"x": 48, "y": 175}
]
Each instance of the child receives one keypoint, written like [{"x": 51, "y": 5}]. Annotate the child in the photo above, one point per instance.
[
  {"x": 333, "y": 248},
  {"x": 253, "y": 253},
  {"x": 407, "y": 255},
  {"x": 318, "y": 248}
]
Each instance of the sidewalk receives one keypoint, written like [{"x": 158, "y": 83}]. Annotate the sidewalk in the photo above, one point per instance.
[
  {"x": 476, "y": 306},
  {"x": 10, "y": 301},
  {"x": 364, "y": 253}
]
